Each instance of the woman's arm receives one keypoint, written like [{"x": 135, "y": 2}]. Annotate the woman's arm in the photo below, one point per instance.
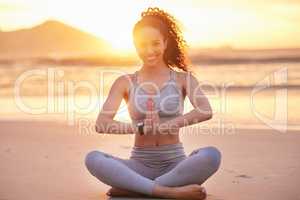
[
  {"x": 202, "y": 110},
  {"x": 105, "y": 121}
]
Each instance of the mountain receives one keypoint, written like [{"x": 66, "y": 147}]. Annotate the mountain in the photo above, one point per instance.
[
  {"x": 50, "y": 39},
  {"x": 54, "y": 42}
]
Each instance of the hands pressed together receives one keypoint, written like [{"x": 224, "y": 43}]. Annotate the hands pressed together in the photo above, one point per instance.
[{"x": 152, "y": 123}]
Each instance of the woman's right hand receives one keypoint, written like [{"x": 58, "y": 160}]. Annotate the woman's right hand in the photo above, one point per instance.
[
  {"x": 151, "y": 118},
  {"x": 147, "y": 128}
]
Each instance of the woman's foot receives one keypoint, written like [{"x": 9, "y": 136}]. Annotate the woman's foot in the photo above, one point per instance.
[
  {"x": 190, "y": 192},
  {"x": 118, "y": 192},
  {"x": 193, "y": 191}
]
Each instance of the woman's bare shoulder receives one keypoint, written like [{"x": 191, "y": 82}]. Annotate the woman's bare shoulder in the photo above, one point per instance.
[
  {"x": 186, "y": 76},
  {"x": 182, "y": 76},
  {"x": 127, "y": 79},
  {"x": 180, "y": 79},
  {"x": 124, "y": 82}
]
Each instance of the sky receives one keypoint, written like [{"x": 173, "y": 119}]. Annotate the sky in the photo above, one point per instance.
[{"x": 240, "y": 24}]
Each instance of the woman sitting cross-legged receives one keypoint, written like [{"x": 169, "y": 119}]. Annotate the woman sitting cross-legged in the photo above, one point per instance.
[{"x": 158, "y": 165}]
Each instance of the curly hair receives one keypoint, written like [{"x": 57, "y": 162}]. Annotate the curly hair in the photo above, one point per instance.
[{"x": 175, "y": 53}]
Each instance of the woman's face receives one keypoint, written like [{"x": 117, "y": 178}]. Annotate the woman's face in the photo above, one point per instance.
[{"x": 150, "y": 45}]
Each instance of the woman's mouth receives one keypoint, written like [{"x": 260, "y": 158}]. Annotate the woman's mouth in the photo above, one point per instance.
[{"x": 151, "y": 58}]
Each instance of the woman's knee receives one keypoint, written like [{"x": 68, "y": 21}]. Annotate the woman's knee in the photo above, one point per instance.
[
  {"x": 91, "y": 158},
  {"x": 213, "y": 156}
]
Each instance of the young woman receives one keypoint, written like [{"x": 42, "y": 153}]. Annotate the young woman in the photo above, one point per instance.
[{"x": 155, "y": 94}]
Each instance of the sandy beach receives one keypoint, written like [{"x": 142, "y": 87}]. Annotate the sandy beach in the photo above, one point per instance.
[
  {"x": 61, "y": 61},
  {"x": 45, "y": 160}
]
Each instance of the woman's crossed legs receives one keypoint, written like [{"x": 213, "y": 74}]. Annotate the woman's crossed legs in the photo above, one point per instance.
[{"x": 133, "y": 176}]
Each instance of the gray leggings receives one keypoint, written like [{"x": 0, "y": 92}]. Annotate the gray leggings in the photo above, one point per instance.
[{"x": 165, "y": 165}]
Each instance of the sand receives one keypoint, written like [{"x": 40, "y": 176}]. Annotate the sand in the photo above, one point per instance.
[{"x": 45, "y": 160}]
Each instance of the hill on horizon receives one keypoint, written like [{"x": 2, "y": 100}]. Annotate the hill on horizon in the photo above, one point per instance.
[
  {"x": 52, "y": 38},
  {"x": 55, "y": 42}
]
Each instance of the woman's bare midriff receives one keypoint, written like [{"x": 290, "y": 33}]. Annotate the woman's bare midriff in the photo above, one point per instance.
[{"x": 154, "y": 140}]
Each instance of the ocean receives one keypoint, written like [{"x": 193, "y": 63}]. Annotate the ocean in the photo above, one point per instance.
[{"x": 249, "y": 96}]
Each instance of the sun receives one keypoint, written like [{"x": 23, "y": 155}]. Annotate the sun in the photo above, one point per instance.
[
  {"x": 208, "y": 24},
  {"x": 120, "y": 42}
]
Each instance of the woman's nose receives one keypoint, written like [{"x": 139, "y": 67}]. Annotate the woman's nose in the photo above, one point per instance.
[{"x": 149, "y": 51}]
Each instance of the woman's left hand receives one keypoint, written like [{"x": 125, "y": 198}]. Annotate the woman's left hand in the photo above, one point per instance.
[{"x": 157, "y": 125}]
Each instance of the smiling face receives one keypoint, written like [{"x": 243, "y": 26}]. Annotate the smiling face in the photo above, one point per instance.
[{"x": 150, "y": 45}]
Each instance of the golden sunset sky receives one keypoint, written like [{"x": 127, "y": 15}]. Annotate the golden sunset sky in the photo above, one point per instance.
[{"x": 241, "y": 24}]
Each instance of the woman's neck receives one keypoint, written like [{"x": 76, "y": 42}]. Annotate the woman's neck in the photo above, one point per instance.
[{"x": 157, "y": 69}]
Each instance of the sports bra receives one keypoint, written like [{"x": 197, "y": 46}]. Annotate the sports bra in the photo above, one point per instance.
[{"x": 168, "y": 100}]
